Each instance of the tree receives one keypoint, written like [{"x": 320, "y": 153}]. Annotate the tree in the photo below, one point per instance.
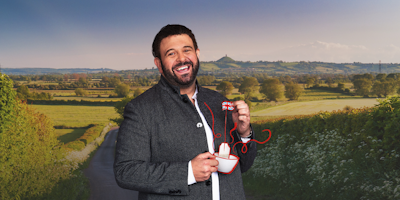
[
  {"x": 122, "y": 90},
  {"x": 113, "y": 82},
  {"x": 362, "y": 86},
  {"x": 310, "y": 82},
  {"x": 340, "y": 86},
  {"x": 389, "y": 87},
  {"x": 293, "y": 91},
  {"x": 380, "y": 77},
  {"x": 80, "y": 92},
  {"x": 119, "y": 108},
  {"x": 272, "y": 89},
  {"x": 225, "y": 87},
  {"x": 329, "y": 81},
  {"x": 377, "y": 89},
  {"x": 205, "y": 80},
  {"x": 65, "y": 77},
  {"x": 29, "y": 149},
  {"x": 137, "y": 92},
  {"x": 248, "y": 87},
  {"x": 23, "y": 92}
]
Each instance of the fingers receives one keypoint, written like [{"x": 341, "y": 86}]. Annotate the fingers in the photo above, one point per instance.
[
  {"x": 242, "y": 117},
  {"x": 241, "y": 108},
  {"x": 203, "y": 165}
]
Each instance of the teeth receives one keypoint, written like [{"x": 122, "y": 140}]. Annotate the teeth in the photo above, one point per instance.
[{"x": 182, "y": 68}]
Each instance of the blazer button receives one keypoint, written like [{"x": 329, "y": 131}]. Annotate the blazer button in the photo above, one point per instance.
[
  {"x": 208, "y": 182},
  {"x": 199, "y": 125},
  {"x": 185, "y": 100}
]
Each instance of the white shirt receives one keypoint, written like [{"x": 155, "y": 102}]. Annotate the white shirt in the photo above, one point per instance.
[{"x": 209, "y": 135}]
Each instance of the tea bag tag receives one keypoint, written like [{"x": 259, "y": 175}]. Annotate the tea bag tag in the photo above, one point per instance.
[{"x": 224, "y": 150}]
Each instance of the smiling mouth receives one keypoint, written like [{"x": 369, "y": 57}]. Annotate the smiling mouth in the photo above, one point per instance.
[{"x": 182, "y": 69}]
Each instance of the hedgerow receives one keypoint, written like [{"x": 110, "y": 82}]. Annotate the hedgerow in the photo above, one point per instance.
[
  {"x": 332, "y": 155},
  {"x": 31, "y": 160}
]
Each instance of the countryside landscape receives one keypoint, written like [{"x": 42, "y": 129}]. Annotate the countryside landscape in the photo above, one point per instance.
[{"x": 335, "y": 126}]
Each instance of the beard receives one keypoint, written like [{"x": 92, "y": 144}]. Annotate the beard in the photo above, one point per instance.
[{"x": 175, "y": 80}]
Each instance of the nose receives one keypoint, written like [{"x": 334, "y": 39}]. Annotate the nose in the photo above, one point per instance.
[{"x": 181, "y": 57}]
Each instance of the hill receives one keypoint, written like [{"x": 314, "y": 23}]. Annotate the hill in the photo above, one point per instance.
[
  {"x": 227, "y": 64},
  {"x": 226, "y": 59}
]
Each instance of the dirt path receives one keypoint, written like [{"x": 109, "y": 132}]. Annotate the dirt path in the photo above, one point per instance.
[{"x": 101, "y": 175}]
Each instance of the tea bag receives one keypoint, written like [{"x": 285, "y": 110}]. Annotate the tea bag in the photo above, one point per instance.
[{"x": 224, "y": 150}]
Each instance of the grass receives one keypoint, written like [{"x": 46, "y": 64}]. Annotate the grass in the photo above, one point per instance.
[
  {"x": 69, "y": 135},
  {"x": 88, "y": 98},
  {"x": 310, "y": 107},
  {"x": 77, "y": 116}
]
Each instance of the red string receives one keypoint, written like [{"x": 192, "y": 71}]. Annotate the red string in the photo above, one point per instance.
[
  {"x": 226, "y": 112},
  {"x": 218, "y": 135},
  {"x": 230, "y": 133},
  {"x": 245, "y": 144}
]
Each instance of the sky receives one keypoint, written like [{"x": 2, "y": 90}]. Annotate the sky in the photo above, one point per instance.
[{"x": 119, "y": 34}]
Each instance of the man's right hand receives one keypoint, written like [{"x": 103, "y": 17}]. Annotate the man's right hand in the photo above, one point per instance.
[{"x": 203, "y": 165}]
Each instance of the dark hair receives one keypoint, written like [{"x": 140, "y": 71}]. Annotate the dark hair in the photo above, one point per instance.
[{"x": 168, "y": 30}]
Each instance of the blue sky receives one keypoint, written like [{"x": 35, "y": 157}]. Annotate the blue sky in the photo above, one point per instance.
[{"x": 118, "y": 35}]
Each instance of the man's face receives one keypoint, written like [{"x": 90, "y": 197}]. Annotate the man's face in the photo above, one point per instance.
[{"x": 179, "y": 60}]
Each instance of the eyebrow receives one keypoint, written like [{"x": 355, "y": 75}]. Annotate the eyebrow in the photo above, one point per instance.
[{"x": 187, "y": 46}]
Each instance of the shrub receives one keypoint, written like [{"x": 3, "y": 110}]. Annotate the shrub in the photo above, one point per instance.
[
  {"x": 80, "y": 92},
  {"x": 350, "y": 154},
  {"x": 75, "y": 145},
  {"x": 31, "y": 161},
  {"x": 122, "y": 90}
]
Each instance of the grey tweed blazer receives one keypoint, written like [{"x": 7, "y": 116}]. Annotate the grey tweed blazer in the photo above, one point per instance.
[{"x": 160, "y": 135}]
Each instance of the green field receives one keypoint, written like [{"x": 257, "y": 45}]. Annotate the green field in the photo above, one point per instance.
[
  {"x": 310, "y": 107},
  {"x": 77, "y": 116}
]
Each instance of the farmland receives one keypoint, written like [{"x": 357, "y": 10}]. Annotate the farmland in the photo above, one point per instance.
[{"x": 77, "y": 116}]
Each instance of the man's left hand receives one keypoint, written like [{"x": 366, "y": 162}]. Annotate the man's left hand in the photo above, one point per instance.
[{"x": 241, "y": 116}]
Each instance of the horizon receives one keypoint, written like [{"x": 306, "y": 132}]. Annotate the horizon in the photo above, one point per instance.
[{"x": 118, "y": 35}]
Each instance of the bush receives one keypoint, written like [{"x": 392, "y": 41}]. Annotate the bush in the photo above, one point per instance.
[
  {"x": 31, "y": 160},
  {"x": 122, "y": 90},
  {"x": 80, "y": 92},
  {"x": 75, "y": 145},
  {"x": 350, "y": 154}
]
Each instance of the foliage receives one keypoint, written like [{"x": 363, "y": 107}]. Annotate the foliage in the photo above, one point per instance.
[
  {"x": 80, "y": 92},
  {"x": 119, "y": 108},
  {"x": 248, "y": 87},
  {"x": 310, "y": 82},
  {"x": 23, "y": 92},
  {"x": 75, "y": 145},
  {"x": 293, "y": 91},
  {"x": 249, "y": 103},
  {"x": 272, "y": 89},
  {"x": 122, "y": 90},
  {"x": 340, "y": 86},
  {"x": 383, "y": 87},
  {"x": 205, "y": 80},
  {"x": 7, "y": 101},
  {"x": 351, "y": 154},
  {"x": 137, "y": 92},
  {"x": 225, "y": 87},
  {"x": 31, "y": 161},
  {"x": 362, "y": 86}
]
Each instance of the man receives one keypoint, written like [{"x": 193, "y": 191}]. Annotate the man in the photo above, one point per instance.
[{"x": 165, "y": 143}]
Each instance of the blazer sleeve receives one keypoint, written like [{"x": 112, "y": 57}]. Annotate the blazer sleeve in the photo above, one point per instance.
[
  {"x": 246, "y": 159},
  {"x": 133, "y": 168}
]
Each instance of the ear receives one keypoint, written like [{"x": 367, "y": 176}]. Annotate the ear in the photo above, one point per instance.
[
  {"x": 157, "y": 62},
  {"x": 198, "y": 53}
]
